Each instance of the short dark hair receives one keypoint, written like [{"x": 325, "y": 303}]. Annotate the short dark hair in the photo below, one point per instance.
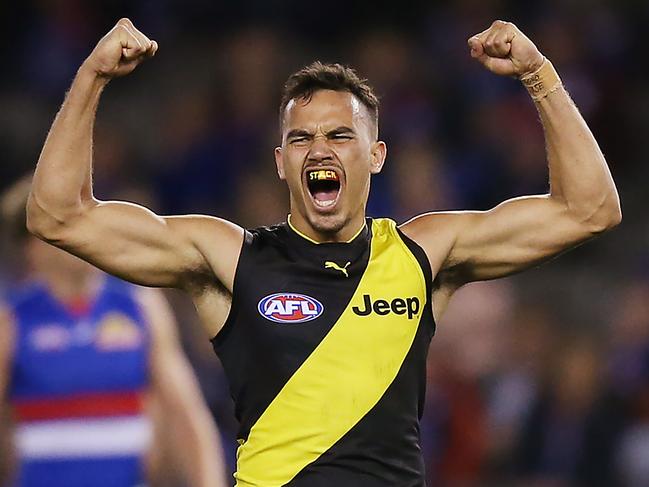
[
  {"x": 320, "y": 76},
  {"x": 13, "y": 209}
]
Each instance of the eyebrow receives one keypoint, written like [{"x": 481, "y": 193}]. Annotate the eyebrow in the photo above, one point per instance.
[
  {"x": 297, "y": 133},
  {"x": 341, "y": 130},
  {"x": 304, "y": 133}
]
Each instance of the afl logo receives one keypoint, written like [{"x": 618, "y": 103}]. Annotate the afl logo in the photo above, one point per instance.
[{"x": 290, "y": 308}]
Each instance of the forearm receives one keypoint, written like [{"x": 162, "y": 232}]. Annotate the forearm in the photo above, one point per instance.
[
  {"x": 202, "y": 455},
  {"x": 579, "y": 175},
  {"x": 62, "y": 181},
  {"x": 194, "y": 439}
]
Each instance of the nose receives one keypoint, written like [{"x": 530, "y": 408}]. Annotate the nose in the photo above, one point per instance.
[{"x": 320, "y": 150}]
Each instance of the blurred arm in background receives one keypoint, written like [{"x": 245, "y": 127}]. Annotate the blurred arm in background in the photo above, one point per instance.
[
  {"x": 6, "y": 353},
  {"x": 185, "y": 423},
  {"x": 521, "y": 232}
]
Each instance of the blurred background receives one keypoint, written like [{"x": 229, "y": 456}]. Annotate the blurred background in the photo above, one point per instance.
[{"x": 537, "y": 380}]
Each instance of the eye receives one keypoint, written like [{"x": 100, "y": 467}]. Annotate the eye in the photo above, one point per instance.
[
  {"x": 298, "y": 141},
  {"x": 342, "y": 137}
]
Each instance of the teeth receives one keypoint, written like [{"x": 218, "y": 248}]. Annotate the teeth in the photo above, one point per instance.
[
  {"x": 325, "y": 203},
  {"x": 323, "y": 193},
  {"x": 323, "y": 175}
]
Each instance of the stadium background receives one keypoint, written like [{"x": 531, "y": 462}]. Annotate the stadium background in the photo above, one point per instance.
[{"x": 537, "y": 380}]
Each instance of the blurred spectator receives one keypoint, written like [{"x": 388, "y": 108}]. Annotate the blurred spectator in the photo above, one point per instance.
[
  {"x": 571, "y": 434},
  {"x": 93, "y": 376},
  {"x": 514, "y": 387},
  {"x": 629, "y": 370}
]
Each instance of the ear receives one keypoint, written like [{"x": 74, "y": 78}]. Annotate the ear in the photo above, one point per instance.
[
  {"x": 379, "y": 151},
  {"x": 279, "y": 161}
]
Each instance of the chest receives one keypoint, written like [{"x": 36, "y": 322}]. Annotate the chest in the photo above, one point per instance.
[
  {"x": 57, "y": 354},
  {"x": 288, "y": 304}
]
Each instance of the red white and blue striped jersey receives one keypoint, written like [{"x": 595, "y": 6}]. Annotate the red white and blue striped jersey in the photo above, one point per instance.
[{"x": 77, "y": 388}]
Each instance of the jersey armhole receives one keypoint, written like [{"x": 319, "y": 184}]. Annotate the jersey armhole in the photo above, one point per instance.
[
  {"x": 240, "y": 274},
  {"x": 422, "y": 259}
]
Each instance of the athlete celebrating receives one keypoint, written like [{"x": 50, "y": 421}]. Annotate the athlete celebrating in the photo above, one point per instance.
[
  {"x": 323, "y": 322},
  {"x": 93, "y": 372}
]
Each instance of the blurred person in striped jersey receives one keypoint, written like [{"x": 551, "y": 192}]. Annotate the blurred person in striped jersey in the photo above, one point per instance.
[{"x": 89, "y": 367}]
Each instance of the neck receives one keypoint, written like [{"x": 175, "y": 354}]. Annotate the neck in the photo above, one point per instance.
[
  {"x": 69, "y": 287},
  {"x": 345, "y": 235}
]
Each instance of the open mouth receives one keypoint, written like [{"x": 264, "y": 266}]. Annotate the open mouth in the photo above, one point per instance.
[{"x": 324, "y": 186}]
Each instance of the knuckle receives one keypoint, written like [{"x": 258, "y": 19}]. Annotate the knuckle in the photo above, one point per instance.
[{"x": 125, "y": 21}]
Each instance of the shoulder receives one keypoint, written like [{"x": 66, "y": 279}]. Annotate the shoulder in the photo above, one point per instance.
[
  {"x": 203, "y": 229},
  {"x": 259, "y": 241},
  {"x": 156, "y": 311},
  {"x": 382, "y": 226},
  {"x": 267, "y": 234},
  {"x": 6, "y": 314},
  {"x": 436, "y": 233},
  {"x": 151, "y": 300},
  {"x": 22, "y": 295},
  {"x": 440, "y": 223},
  {"x": 218, "y": 241}
]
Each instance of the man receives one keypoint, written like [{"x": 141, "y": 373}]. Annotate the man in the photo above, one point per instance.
[
  {"x": 90, "y": 366},
  {"x": 322, "y": 323}
]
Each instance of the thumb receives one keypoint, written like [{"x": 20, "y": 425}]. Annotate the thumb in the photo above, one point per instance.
[{"x": 500, "y": 66}]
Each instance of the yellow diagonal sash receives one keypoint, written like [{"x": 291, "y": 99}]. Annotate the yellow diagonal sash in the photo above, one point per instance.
[{"x": 344, "y": 377}]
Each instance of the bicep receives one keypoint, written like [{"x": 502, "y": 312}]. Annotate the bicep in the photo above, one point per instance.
[
  {"x": 515, "y": 235},
  {"x": 133, "y": 243}
]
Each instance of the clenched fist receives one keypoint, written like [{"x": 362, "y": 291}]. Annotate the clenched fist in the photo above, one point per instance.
[
  {"x": 120, "y": 51},
  {"x": 505, "y": 50}
]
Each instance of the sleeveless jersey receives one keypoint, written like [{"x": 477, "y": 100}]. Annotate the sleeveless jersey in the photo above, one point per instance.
[
  {"x": 77, "y": 386},
  {"x": 325, "y": 351}
]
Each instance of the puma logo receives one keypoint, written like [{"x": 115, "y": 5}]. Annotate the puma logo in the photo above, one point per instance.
[{"x": 333, "y": 265}]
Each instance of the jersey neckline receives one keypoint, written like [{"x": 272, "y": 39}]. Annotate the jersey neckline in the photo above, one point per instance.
[{"x": 361, "y": 234}]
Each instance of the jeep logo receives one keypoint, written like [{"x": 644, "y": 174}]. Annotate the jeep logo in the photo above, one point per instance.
[{"x": 398, "y": 306}]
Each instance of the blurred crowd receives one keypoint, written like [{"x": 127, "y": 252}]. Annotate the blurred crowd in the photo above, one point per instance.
[{"x": 537, "y": 380}]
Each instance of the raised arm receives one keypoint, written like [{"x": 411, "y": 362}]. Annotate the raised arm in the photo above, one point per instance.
[
  {"x": 122, "y": 238},
  {"x": 582, "y": 201}
]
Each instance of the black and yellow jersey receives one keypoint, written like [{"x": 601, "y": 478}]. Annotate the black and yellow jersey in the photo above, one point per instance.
[{"x": 325, "y": 351}]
